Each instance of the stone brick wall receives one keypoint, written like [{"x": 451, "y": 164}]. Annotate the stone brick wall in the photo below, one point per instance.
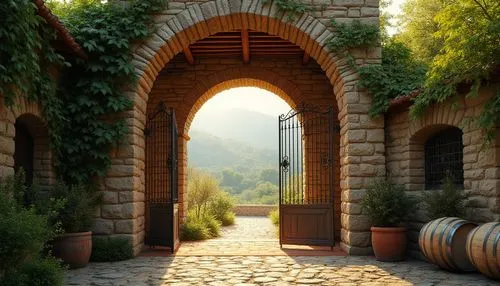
[
  {"x": 405, "y": 141},
  {"x": 286, "y": 76},
  {"x": 185, "y": 22},
  {"x": 253, "y": 210},
  {"x": 30, "y": 115}
]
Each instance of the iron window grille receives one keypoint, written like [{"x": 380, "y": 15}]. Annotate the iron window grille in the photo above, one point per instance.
[{"x": 444, "y": 157}]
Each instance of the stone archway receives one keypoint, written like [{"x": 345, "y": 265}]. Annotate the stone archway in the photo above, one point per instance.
[
  {"x": 22, "y": 130},
  {"x": 362, "y": 139}
]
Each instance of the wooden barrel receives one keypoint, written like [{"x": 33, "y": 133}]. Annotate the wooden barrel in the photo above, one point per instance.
[
  {"x": 443, "y": 241},
  {"x": 483, "y": 249}
]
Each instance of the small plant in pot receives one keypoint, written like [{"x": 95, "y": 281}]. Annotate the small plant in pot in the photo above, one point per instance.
[
  {"x": 74, "y": 247},
  {"x": 388, "y": 206}
]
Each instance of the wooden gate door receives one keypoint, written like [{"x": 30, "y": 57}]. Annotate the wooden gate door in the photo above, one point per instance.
[
  {"x": 162, "y": 212},
  {"x": 306, "y": 176}
]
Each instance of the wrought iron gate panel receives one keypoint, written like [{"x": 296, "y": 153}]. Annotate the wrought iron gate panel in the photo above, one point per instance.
[
  {"x": 161, "y": 176},
  {"x": 306, "y": 176}
]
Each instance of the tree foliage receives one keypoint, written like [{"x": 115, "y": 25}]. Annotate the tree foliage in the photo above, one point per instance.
[
  {"x": 419, "y": 28},
  {"x": 398, "y": 75},
  {"x": 470, "y": 53}
]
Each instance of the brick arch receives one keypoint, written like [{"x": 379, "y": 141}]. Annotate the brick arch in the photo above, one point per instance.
[
  {"x": 29, "y": 114},
  {"x": 362, "y": 142},
  {"x": 200, "y": 20},
  {"x": 233, "y": 78}
]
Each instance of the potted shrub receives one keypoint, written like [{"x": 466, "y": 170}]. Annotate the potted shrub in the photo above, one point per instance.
[
  {"x": 388, "y": 205},
  {"x": 74, "y": 246}
]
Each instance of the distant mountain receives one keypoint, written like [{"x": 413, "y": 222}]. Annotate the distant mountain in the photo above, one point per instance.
[
  {"x": 213, "y": 153},
  {"x": 253, "y": 128}
]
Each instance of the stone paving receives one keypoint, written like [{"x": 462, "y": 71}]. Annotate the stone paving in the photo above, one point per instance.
[
  {"x": 270, "y": 267},
  {"x": 250, "y": 235},
  {"x": 250, "y": 228},
  {"x": 267, "y": 270}
]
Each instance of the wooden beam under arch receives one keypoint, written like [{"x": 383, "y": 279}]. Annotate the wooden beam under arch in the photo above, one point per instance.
[
  {"x": 245, "y": 46},
  {"x": 188, "y": 55}
]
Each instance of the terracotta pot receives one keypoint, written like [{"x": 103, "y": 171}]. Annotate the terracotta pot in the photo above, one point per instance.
[
  {"x": 74, "y": 248},
  {"x": 389, "y": 243}
]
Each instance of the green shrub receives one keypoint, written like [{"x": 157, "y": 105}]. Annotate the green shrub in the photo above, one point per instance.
[
  {"x": 25, "y": 233},
  {"x": 77, "y": 214},
  {"x": 202, "y": 189},
  {"x": 199, "y": 227},
  {"x": 44, "y": 272},
  {"x": 212, "y": 224},
  {"x": 111, "y": 249},
  {"x": 387, "y": 204},
  {"x": 228, "y": 219},
  {"x": 221, "y": 207},
  {"x": 194, "y": 230},
  {"x": 274, "y": 216},
  {"x": 446, "y": 203}
]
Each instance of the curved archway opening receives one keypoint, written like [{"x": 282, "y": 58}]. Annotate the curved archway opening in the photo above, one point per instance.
[
  {"x": 159, "y": 57},
  {"x": 32, "y": 151},
  {"x": 234, "y": 138},
  {"x": 310, "y": 87}
]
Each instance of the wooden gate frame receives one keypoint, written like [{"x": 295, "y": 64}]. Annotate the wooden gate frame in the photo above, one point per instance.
[
  {"x": 305, "y": 221},
  {"x": 161, "y": 175}
]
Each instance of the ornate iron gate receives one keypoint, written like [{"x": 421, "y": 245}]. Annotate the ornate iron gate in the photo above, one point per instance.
[
  {"x": 162, "y": 225},
  {"x": 306, "y": 176}
]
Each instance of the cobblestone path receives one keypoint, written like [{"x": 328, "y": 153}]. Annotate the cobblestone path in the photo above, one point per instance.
[
  {"x": 267, "y": 270},
  {"x": 250, "y": 235},
  {"x": 250, "y": 228}
]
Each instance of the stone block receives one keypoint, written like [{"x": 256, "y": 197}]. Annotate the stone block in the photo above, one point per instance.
[
  {"x": 375, "y": 135},
  {"x": 360, "y": 149},
  {"x": 102, "y": 226},
  {"x": 357, "y": 239},
  {"x": 125, "y": 226},
  {"x": 110, "y": 197},
  {"x": 121, "y": 170},
  {"x": 354, "y": 222}
]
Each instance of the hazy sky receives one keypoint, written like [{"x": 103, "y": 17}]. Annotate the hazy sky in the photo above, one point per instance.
[
  {"x": 251, "y": 98},
  {"x": 257, "y": 99}
]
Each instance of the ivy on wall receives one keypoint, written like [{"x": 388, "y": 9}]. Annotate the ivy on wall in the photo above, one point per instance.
[
  {"x": 93, "y": 90},
  {"x": 27, "y": 58},
  {"x": 82, "y": 115},
  {"x": 291, "y": 8}
]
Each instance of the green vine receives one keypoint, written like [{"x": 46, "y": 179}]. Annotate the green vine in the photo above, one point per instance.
[
  {"x": 27, "y": 60},
  {"x": 292, "y": 8},
  {"x": 93, "y": 90},
  {"x": 398, "y": 75},
  {"x": 82, "y": 115}
]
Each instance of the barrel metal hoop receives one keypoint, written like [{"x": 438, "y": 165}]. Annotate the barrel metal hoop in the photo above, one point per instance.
[
  {"x": 485, "y": 242},
  {"x": 468, "y": 249},
  {"x": 495, "y": 245},
  {"x": 422, "y": 238},
  {"x": 450, "y": 237},
  {"x": 433, "y": 232}
]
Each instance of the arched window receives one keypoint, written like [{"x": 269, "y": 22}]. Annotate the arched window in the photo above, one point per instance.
[
  {"x": 32, "y": 150},
  {"x": 24, "y": 151},
  {"x": 444, "y": 157}
]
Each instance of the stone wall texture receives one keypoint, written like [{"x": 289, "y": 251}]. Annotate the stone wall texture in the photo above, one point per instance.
[
  {"x": 185, "y": 22},
  {"x": 405, "y": 139},
  {"x": 326, "y": 80},
  {"x": 253, "y": 210},
  {"x": 30, "y": 115}
]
